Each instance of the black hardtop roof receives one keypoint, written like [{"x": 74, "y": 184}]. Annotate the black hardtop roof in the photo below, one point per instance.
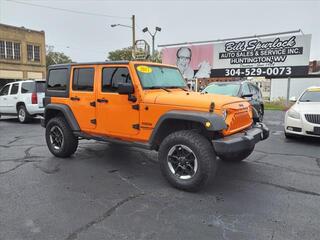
[{"x": 67, "y": 65}]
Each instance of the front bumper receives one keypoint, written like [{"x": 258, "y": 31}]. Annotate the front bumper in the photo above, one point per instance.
[
  {"x": 300, "y": 126},
  {"x": 242, "y": 141}
]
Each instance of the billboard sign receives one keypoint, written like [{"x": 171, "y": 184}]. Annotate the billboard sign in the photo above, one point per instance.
[{"x": 277, "y": 56}]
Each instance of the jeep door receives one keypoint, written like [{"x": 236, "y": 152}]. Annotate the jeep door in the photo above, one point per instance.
[
  {"x": 82, "y": 96},
  {"x": 116, "y": 113}
]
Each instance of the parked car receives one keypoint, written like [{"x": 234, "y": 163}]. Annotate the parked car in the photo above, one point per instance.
[
  {"x": 303, "y": 118},
  {"x": 22, "y": 99},
  {"x": 148, "y": 105},
  {"x": 242, "y": 89}
]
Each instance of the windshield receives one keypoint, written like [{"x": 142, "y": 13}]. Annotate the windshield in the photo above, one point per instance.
[
  {"x": 224, "y": 89},
  {"x": 311, "y": 96},
  {"x": 160, "y": 77}
]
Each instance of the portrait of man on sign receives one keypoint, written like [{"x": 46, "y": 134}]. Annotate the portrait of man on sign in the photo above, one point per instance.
[{"x": 184, "y": 55}]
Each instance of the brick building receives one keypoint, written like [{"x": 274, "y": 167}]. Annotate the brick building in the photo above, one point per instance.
[{"x": 22, "y": 54}]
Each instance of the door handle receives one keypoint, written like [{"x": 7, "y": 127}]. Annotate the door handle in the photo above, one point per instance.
[
  {"x": 4, "y": 98},
  {"x": 15, "y": 98},
  {"x": 75, "y": 99},
  {"x": 102, "y": 100}
]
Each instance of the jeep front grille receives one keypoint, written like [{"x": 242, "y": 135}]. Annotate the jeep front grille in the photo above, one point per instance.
[
  {"x": 238, "y": 120},
  {"x": 313, "y": 118}
]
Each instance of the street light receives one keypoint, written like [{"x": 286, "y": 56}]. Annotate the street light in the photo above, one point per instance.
[
  {"x": 121, "y": 25},
  {"x": 157, "y": 29},
  {"x": 133, "y": 27}
]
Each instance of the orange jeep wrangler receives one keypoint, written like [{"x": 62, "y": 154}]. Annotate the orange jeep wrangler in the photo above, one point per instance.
[{"x": 148, "y": 105}]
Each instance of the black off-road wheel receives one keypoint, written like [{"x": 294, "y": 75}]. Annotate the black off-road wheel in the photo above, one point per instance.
[
  {"x": 187, "y": 160},
  {"x": 60, "y": 139},
  {"x": 23, "y": 115},
  {"x": 236, "y": 157}
]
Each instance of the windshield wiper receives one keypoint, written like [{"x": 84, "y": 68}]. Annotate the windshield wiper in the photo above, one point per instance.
[
  {"x": 155, "y": 87},
  {"x": 182, "y": 88}
]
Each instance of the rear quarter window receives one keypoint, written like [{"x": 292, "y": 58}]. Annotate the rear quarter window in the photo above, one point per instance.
[
  {"x": 58, "y": 79},
  {"x": 27, "y": 87},
  {"x": 40, "y": 86}
]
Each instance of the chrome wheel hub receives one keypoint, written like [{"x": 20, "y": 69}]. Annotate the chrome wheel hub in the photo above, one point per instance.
[
  {"x": 21, "y": 115},
  {"x": 56, "y": 137},
  {"x": 182, "y": 162}
]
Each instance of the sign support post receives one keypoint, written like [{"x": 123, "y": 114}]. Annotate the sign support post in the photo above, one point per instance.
[{"x": 288, "y": 90}]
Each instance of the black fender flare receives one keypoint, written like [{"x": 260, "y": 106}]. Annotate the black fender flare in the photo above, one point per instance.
[
  {"x": 217, "y": 121},
  {"x": 67, "y": 113}
]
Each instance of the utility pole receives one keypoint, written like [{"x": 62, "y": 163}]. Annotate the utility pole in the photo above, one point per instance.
[
  {"x": 133, "y": 28},
  {"x": 133, "y": 35}
]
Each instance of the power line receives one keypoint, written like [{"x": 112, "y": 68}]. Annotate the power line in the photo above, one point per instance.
[{"x": 69, "y": 10}]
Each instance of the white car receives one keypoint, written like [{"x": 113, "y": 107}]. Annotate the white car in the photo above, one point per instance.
[
  {"x": 303, "y": 118},
  {"x": 22, "y": 99}
]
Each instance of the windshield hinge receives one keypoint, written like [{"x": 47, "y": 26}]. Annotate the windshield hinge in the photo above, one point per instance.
[{"x": 211, "y": 108}]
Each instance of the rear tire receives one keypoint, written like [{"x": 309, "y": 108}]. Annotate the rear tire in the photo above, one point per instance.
[
  {"x": 236, "y": 157},
  {"x": 23, "y": 115},
  {"x": 60, "y": 139},
  {"x": 187, "y": 160}
]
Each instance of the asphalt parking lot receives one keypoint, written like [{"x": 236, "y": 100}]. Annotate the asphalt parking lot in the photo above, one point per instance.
[{"x": 112, "y": 192}]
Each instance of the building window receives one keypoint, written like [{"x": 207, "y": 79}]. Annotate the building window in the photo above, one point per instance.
[
  {"x": 16, "y": 48},
  {"x": 33, "y": 53},
  {"x": 2, "y": 50},
  {"x": 10, "y": 50},
  {"x": 36, "y": 50}
]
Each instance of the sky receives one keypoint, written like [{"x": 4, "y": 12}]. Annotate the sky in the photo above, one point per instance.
[{"x": 89, "y": 37}]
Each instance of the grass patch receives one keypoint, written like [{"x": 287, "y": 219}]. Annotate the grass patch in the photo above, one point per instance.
[{"x": 280, "y": 105}]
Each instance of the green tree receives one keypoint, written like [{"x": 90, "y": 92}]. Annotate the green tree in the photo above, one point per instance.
[
  {"x": 126, "y": 54},
  {"x": 120, "y": 54},
  {"x": 53, "y": 57}
]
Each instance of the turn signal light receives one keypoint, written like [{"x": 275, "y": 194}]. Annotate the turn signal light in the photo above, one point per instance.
[{"x": 208, "y": 124}]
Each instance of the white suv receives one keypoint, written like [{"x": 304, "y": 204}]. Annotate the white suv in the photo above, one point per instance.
[{"x": 22, "y": 99}]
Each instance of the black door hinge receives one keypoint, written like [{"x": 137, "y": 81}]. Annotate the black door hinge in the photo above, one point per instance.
[
  {"x": 136, "y": 126},
  {"x": 93, "y": 121},
  {"x": 93, "y": 104},
  {"x": 136, "y": 107}
]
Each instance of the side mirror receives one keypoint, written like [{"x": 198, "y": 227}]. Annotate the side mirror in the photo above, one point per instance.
[
  {"x": 246, "y": 95},
  {"x": 293, "y": 99},
  {"x": 125, "y": 88}
]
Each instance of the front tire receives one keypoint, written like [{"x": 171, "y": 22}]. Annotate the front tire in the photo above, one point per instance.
[
  {"x": 236, "y": 157},
  {"x": 23, "y": 115},
  {"x": 187, "y": 160},
  {"x": 60, "y": 139}
]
